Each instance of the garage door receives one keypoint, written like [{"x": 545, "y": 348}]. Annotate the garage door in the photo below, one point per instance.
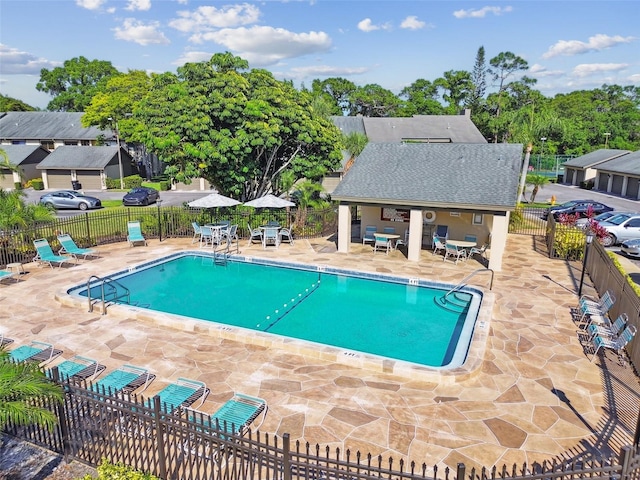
[
  {"x": 616, "y": 184},
  {"x": 6, "y": 179},
  {"x": 90, "y": 179},
  {"x": 59, "y": 179},
  {"x": 632, "y": 187}
]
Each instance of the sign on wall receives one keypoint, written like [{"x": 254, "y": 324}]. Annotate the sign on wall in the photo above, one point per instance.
[{"x": 395, "y": 214}]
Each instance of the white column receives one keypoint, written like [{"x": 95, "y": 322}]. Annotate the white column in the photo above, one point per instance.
[
  {"x": 625, "y": 182},
  {"x": 499, "y": 233},
  {"x": 609, "y": 182},
  {"x": 415, "y": 235},
  {"x": 45, "y": 179},
  {"x": 344, "y": 228}
]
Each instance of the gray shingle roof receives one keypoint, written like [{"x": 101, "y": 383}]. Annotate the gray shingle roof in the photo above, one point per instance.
[
  {"x": 18, "y": 154},
  {"x": 348, "y": 125},
  {"x": 78, "y": 157},
  {"x": 474, "y": 176},
  {"x": 434, "y": 128},
  {"x": 594, "y": 158},
  {"x": 47, "y": 126},
  {"x": 628, "y": 164}
]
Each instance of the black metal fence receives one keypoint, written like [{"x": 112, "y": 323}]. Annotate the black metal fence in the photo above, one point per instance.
[
  {"x": 146, "y": 435},
  {"x": 528, "y": 221},
  {"x": 103, "y": 227}
]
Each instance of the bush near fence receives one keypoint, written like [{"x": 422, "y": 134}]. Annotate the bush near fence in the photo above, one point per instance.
[
  {"x": 139, "y": 432},
  {"x": 109, "y": 226}
]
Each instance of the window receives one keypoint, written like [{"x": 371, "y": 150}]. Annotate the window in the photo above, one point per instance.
[
  {"x": 70, "y": 142},
  {"x": 85, "y": 143},
  {"x": 478, "y": 219},
  {"x": 48, "y": 144}
]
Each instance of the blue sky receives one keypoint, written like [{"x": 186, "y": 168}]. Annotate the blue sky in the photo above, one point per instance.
[{"x": 569, "y": 45}]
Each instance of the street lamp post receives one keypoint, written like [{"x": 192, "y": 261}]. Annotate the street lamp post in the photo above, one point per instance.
[
  {"x": 606, "y": 139},
  {"x": 119, "y": 154},
  {"x": 544, "y": 139},
  {"x": 158, "y": 202},
  {"x": 589, "y": 239}
]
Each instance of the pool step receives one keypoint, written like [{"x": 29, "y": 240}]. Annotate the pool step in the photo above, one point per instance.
[{"x": 455, "y": 302}]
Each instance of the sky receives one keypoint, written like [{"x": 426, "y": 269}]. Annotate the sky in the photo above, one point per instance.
[{"x": 569, "y": 45}]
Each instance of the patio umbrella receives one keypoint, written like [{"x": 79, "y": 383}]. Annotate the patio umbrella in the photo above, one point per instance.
[
  {"x": 269, "y": 201},
  {"x": 213, "y": 200}
]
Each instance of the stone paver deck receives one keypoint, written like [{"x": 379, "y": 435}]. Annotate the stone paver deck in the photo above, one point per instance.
[{"x": 533, "y": 396}]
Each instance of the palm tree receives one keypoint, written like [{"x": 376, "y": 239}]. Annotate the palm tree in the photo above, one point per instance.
[
  {"x": 537, "y": 182},
  {"x": 308, "y": 196},
  {"x": 21, "y": 384}
]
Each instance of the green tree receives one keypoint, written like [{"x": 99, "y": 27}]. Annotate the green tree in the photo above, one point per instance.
[
  {"x": 374, "y": 101},
  {"x": 21, "y": 386},
  {"x": 337, "y": 91},
  {"x": 479, "y": 82},
  {"x": 420, "y": 98},
  {"x": 15, "y": 213},
  {"x": 457, "y": 88},
  {"x": 308, "y": 196},
  {"x": 537, "y": 182},
  {"x": 239, "y": 129},
  {"x": 9, "y": 104},
  {"x": 75, "y": 83}
]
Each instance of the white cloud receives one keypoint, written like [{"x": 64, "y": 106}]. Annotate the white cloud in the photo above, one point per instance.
[
  {"x": 325, "y": 71},
  {"x": 412, "y": 23},
  {"x": 16, "y": 62},
  {"x": 261, "y": 45},
  {"x": 575, "y": 47},
  {"x": 587, "y": 69},
  {"x": 540, "y": 71},
  {"x": 141, "y": 5},
  {"x": 207, "y": 18},
  {"x": 483, "y": 12},
  {"x": 367, "y": 25},
  {"x": 90, "y": 4},
  {"x": 635, "y": 78},
  {"x": 193, "y": 57},
  {"x": 143, "y": 34}
]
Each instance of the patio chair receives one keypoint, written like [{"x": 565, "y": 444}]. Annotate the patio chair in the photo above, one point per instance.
[
  {"x": 391, "y": 230},
  {"x": 595, "y": 309},
  {"x": 381, "y": 243},
  {"x": 230, "y": 235},
  {"x": 482, "y": 252},
  {"x": 368, "y": 234},
  {"x": 403, "y": 241},
  {"x": 471, "y": 238},
  {"x": 69, "y": 246},
  {"x": 442, "y": 231},
  {"x": 77, "y": 368},
  {"x": 208, "y": 236},
  {"x": 135, "y": 233},
  {"x": 234, "y": 418},
  {"x": 6, "y": 275},
  {"x": 4, "y": 340},
  {"x": 609, "y": 331},
  {"x": 454, "y": 251},
  {"x": 270, "y": 237},
  {"x": 255, "y": 234},
  {"x": 197, "y": 232},
  {"x": 616, "y": 344},
  {"x": 125, "y": 379},
  {"x": 438, "y": 245},
  {"x": 286, "y": 235},
  {"x": 45, "y": 255},
  {"x": 38, "y": 352}
]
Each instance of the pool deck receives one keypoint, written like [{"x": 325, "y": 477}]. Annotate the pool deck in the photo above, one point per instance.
[{"x": 531, "y": 395}]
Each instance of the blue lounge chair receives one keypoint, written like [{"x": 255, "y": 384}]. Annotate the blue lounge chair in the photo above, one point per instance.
[
  {"x": 135, "y": 233},
  {"x": 4, "y": 340},
  {"x": 70, "y": 247},
  {"x": 39, "y": 352},
  {"x": 77, "y": 368},
  {"x": 183, "y": 393},
  {"x": 45, "y": 254},
  {"x": 6, "y": 275},
  {"x": 125, "y": 379}
]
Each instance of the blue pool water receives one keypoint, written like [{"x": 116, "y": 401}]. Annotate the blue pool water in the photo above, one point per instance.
[{"x": 374, "y": 314}]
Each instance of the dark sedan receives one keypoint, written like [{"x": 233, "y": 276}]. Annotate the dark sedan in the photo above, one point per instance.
[
  {"x": 141, "y": 196},
  {"x": 578, "y": 208},
  {"x": 69, "y": 199}
]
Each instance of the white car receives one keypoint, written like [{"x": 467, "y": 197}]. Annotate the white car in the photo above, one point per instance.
[
  {"x": 631, "y": 247},
  {"x": 583, "y": 222},
  {"x": 621, "y": 227}
]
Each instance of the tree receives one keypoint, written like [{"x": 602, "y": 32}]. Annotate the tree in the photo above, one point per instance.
[
  {"x": 21, "y": 385},
  {"x": 537, "y": 182},
  {"x": 421, "y": 98},
  {"x": 75, "y": 83},
  {"x": 15, "y": 213},
  {"x": 238, "y": 129},
  {"x": 337, "y": 91},
  {"x": 373, "y": 101},
  {"x": 479, "y": 82},
  {"x": 457, "y": 88},
  {"x": 307, "y": 196},
  {"x": 9, "y": 104}
]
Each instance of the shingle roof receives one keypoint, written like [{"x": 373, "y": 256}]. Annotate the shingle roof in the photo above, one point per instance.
[
  {"x": 348, "y": 125},
  {"x": 18, "y": 154},
  {"x": 47, "y": 126},
  {"x": 474, "y": 176},
  {"x": 78, "y": 157},
  {"x": 628, "y": 164},
  {"x": 427, "y": 128},
  {"x": 594, "y": 158}
]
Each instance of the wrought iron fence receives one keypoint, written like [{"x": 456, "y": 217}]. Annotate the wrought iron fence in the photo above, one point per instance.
[
  {"x": 149, "y": 436},
  {"x": 528, "y": 221},
  {"x": 103, "y": 227},
  {"x": 565, "y": 241}
]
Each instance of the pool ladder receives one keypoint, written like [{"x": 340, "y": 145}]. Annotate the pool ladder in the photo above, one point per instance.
[
  {"x": 109, "y": 292},
  {"x": 463, "y": 283}
]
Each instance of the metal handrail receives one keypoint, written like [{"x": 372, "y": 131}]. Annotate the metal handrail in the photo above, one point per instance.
[
  {"x": 464, "y": 280},
  {"x": 109, "y": 282}
]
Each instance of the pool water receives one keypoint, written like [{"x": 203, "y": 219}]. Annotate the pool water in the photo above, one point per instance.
[{"x": 392, "y": 319}]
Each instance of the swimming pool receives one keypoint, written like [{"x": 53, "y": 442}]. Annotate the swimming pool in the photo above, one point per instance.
[{"x": 380, "y": 315}]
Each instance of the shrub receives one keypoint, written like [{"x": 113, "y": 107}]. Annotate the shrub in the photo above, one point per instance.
[
  {"x": 119, "y": 471},
  {"x": 37, "y": 184},
  {"x": 165, "y": 185},
  {"x": 132, "y": 181},
  {"x": 17, "y": 185},
  {"x": 569, "y": 242}
]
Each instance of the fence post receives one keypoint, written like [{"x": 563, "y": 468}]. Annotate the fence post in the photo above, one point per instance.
[
  {"x": 624, "y": 459},
  {"x": 86, "y": 221},
  {"x": 286, "y": 457},
  {"x": 62, "y": 417},
  {"x": 159, "y": 438},
  {"x": 460, "y": 471}
]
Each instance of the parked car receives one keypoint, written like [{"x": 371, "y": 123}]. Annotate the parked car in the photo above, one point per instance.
[
  {"x": 631, "y": 247},
  {"x": 604, "y": 216},
  {"x": 141, "y": 196},
  {"x": 577, "y": 207},
  {"x": 621, "y": 227},
  {"x": 69, "y": 199}
]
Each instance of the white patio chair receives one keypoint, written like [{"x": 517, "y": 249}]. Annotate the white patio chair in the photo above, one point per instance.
[
  {"x": 454, "y": 251},
  {"x": 381, "y": 243}
]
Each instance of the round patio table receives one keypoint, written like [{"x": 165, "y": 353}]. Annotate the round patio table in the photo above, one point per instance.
[{"x": 462, "y": 243}]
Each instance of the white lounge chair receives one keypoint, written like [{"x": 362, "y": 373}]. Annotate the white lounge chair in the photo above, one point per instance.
[
  {"x": 45, "y": 255},
  {"x": 616, "y": 344},
  {"x": 135, "y": 233},
  {"x": 69, "y": 246}
]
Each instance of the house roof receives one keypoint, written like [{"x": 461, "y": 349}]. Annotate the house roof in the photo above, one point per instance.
[
  {"x": 19, "y": 154},
  {"x": 80, "y": 157},
  {"x": 472, "y": 176},
  {"x": 594, "y": 158},
  {"x": 423, "y": 128},
  {"x": 47, "y": 126},
  {"x": 349, "y": 125},
  {"x": 628, "y": 164}
]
